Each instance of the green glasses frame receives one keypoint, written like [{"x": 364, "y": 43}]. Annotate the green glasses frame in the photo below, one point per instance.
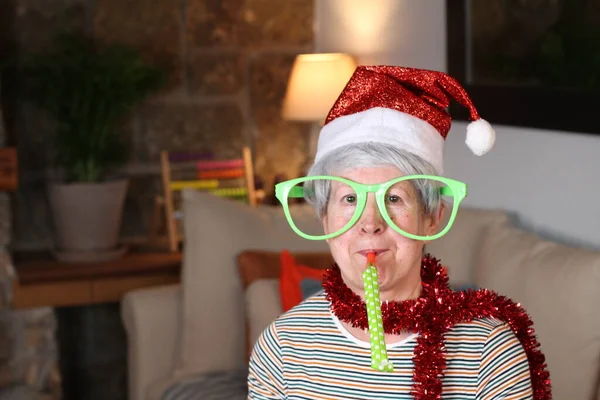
[{"x": 288, "y": 189}]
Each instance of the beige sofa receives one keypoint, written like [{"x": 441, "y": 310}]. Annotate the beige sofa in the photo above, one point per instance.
[{"x": 182, "y": 332}]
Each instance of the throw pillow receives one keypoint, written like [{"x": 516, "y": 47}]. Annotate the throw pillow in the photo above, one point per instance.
[
  {"x": 260, "y": 273},
  {"x": 297, "y": 282},
  {"x": 310, "y": 287},
  {"x": 216, "y": 230},
  {"x": 263, "y": 306}
]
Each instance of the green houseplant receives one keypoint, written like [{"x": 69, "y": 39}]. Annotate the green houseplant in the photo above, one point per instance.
[{"x": 89, "y": 90}]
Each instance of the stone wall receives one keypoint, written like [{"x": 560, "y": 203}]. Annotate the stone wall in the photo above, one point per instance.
[
  {"x": 230, "y": 60},
  {"x": 28, "y": 355},
  {"x": 28, "y": 351},
  {"x": 229, "y": 63}
]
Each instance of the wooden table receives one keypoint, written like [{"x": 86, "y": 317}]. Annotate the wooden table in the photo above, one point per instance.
[{"x": 42, "y": 281}]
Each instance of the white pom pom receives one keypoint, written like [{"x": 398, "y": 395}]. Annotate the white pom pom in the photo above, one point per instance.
[{"x": 480, "y": 137}]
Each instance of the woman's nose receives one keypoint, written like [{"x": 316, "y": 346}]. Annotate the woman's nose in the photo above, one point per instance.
[{"x": 371, "y": 222}]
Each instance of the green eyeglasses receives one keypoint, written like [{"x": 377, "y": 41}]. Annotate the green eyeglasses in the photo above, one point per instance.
[{"x": 399, "y": 202}]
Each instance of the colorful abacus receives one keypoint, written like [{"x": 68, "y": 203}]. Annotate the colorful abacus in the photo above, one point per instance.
[
  {"x": 199, "y": 184},
  {"x": 220, "y": 164},
  {"x": 233, "y": 178},
  {"x": 225, "y": 174}
]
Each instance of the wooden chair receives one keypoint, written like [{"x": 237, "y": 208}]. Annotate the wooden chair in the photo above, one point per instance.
[{"x": 233, "y": 178}]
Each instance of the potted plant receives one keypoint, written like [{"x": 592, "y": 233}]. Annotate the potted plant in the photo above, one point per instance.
[{"x": 89, "y": 90}]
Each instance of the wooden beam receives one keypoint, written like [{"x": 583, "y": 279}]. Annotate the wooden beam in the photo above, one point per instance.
[{"x": 8, "y": 169}]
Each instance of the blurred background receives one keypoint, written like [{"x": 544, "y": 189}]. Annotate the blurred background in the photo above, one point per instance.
[{"x": 97, "y": 90}]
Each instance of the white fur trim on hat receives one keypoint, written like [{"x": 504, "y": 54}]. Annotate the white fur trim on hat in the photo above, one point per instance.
[
  {"x": 480, "y": 137},
  {"x": 384, "y": 125}
]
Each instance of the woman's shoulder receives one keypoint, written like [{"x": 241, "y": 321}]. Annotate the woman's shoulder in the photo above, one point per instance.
[
  {"x": 313, "y": 307},
  {"x": 478, "y": 330},
  {"x": 316, "y": 302},
  {"x": 483, "y": 335},
  {"x": 488, "y": 324}
]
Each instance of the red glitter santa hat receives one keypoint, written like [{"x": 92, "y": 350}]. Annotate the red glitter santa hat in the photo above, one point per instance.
[{"x": 402, "y": 107}]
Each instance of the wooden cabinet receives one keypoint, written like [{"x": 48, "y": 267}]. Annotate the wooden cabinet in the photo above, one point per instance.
[{"x": 43, "y": 282}]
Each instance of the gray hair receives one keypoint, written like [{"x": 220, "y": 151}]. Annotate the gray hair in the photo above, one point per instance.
[{"x": 372, "y": 154}]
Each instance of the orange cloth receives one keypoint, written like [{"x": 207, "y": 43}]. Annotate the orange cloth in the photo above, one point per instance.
[{"x": 290, "y": 279}]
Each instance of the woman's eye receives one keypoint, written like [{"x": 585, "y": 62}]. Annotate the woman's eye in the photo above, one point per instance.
[
  {"x": 393, "y": 199},
  {"x": 350, "y": 199}
]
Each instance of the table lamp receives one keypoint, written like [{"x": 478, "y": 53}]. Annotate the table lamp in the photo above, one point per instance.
[{"x": 314, "y": 85}]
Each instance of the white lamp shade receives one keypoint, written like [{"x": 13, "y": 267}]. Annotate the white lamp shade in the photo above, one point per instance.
[{"x": 315, "y": 84}]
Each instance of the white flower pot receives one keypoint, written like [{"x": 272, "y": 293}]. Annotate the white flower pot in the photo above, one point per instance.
[{"x": 87, "y": 216}]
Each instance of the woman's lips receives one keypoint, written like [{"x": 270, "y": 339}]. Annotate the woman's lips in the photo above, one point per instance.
[{"x": 376, "y": 251}]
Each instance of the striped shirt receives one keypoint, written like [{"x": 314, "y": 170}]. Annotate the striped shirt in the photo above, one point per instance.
[{"x": 307, "y": 354}]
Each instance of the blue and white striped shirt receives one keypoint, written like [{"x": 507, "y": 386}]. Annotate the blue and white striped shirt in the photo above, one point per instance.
[{"x": 307, "y": 354}]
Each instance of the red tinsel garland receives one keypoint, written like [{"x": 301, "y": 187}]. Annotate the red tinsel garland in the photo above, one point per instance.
[{"x": 435, "y": 312}]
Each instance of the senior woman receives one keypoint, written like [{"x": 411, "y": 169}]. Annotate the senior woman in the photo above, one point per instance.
[{"x": 386, "y": 324}]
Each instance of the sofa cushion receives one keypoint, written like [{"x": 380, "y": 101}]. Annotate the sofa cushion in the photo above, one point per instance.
[
  {"x": 263, "y": 306},
  {"x": 458, "y": 248},
  {"x": 558, "y": 286},
  {"x": 216, "y": 230},
  {"x": 260, "y": 272},
  {"x": 263, "y": 264},
  {"x": 297, "y": 280}
]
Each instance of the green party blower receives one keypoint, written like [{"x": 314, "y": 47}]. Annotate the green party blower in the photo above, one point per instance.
[{"x": 379, "y": 358}]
